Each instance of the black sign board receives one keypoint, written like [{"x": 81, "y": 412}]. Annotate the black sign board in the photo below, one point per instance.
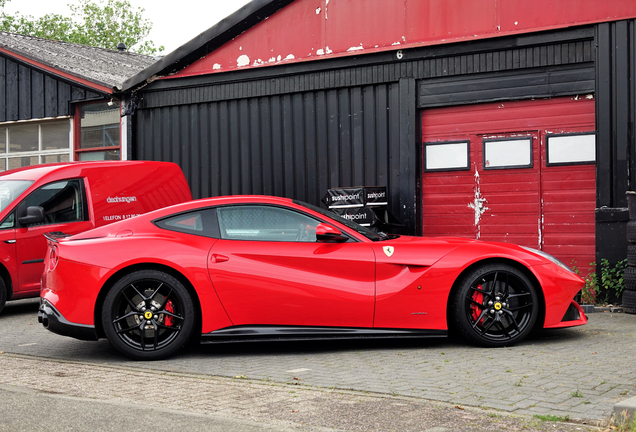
[
  {"x": 375, "y": 196},
  {"x": 355, "y": 197},
  {"x": 361, "y": 215}
]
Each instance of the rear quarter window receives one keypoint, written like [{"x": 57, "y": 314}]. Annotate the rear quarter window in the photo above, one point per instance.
[{"x": 200, "y": 222}]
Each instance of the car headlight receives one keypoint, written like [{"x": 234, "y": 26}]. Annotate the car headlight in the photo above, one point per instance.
[{"x": 548, "y": 257}]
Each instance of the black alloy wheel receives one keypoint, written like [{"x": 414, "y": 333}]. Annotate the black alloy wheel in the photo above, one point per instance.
[
  {"x": 148, "y": 315},
  {"x": 495, "y": 305}
]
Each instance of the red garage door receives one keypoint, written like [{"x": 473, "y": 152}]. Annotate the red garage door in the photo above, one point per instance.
[{"x": 518, "y": 172}]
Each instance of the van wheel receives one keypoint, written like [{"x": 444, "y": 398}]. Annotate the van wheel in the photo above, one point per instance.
[
  {"x": 148, "y": 315},
  {"x": 3, "y": 294}
]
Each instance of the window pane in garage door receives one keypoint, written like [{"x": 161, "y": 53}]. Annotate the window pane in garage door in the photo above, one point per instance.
[
  {"x": 508, "y": 153},
  {"x": 571, "y": 148},
  {"x": 446, "y": 156}
]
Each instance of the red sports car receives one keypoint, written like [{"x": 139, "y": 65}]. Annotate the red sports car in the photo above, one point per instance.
[{"x": 259, "y": 268}]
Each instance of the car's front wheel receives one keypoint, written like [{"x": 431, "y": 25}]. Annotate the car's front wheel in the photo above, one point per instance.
[
  {"x": 148, "y": 315},
  {"x": 494, "y": 305}
]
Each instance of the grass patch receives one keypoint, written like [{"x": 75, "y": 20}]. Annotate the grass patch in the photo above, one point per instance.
[{"x": 551, "y": 418}]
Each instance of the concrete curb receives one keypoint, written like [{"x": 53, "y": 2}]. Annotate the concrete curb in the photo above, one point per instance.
[
  {"x": 624, "y": 411},
  {"x": 588, "y": 309}
]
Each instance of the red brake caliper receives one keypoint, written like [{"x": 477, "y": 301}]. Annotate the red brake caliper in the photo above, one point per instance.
[
  {"x": 169, "y": 308},
  {"x": 478, "y": 298}
]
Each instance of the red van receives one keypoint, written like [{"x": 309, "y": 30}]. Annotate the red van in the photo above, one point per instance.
[{"x": 72, "y": 197}]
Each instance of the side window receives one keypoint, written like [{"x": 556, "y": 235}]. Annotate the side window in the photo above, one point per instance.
[
  {"x": 8, "y": 222},
  {"x": 265, "y": 223},
  {"x": 62, "y": 201},
  {"x": 200, "y": 222}
]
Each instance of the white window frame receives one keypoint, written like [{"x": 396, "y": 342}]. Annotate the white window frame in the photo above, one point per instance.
[
  {"x": 39, "y": 153},
  {"x": 513, "y": 165},
  {"x": 580, "y": 157},
  {"x": 448, "y": 167}
]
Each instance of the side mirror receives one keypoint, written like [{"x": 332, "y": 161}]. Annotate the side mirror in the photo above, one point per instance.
[
  {"x": 327, "y": 233},
  {"x": 34, "y": 214}
]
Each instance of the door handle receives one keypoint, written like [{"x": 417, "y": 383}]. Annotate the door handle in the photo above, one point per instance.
[
  {"x": 216, "y": 258},
  {"x": 9, "y": 241}
]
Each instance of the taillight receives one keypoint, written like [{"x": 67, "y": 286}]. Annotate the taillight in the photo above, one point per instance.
[{"x": 53, "y": 257}]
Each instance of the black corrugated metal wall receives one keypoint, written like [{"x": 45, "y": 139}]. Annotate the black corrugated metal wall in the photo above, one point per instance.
[
  {"x": 27, "y": 93},
  {"x": 616, "y": 139},
  {"x": 616, "y": 111},
  {"x": 292, "y": 145}
]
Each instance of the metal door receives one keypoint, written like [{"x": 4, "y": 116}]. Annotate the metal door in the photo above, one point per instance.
[{"x": 518, "y": 172}]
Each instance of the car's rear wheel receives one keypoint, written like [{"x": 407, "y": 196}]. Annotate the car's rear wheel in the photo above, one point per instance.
[
  {"x": 148, "y": 315},
  {"x": 494, "y": 305}
]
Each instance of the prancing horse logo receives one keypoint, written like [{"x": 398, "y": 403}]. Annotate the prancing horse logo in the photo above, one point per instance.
[{"x": 388, "y": 250}]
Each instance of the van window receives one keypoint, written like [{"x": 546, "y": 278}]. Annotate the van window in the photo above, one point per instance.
[
  {"x": 8, "y": 222},
  {"x": 62, "y": 201},
  {"x": 10, "y": 190}
]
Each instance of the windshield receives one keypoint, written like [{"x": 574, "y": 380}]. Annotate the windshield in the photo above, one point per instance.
[
  {"x": 10, "y": 190},
  {"x": 370, "y": 234}
]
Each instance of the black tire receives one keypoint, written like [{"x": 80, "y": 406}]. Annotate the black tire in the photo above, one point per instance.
[
  {"x": 629, "y": 278},
  {"x": 631, "y": 231},
  {"x": 629, "y": 302},
  {"x": 631, "y": 255},
  {"x": 148, "y": 315},
  {"x": 3, "y": 294},
  {"x": 494, "y": 305}
]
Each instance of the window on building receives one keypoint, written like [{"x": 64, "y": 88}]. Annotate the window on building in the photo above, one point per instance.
[
  {"x": 446, "y": 156},
  {"x": 571, "y": 149},
  {"x": 32, "y": 143},
  {"x": 99, "y": 132},
  {"x": 508, "y": 153}
]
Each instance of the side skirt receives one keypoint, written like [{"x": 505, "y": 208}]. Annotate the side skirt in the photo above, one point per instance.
[{"x": 274, "y": 333}]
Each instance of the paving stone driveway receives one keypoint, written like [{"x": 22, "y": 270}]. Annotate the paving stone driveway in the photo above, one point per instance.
[{"x": 580, "y": 372}]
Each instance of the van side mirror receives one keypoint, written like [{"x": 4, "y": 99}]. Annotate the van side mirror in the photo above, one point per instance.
[
  {"x": 329, "y": 234},
  {"x": 34, "y": 214}
]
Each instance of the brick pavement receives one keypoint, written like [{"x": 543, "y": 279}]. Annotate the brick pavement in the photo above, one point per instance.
[
  {"x": 259, "y": 404},
  {"x": 580, "y": 373}
]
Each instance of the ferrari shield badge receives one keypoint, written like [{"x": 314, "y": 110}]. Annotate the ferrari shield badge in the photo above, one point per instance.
[{"x": 388, "y": 250}]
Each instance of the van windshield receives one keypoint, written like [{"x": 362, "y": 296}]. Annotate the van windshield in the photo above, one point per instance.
[{"x": 10, "y": 190}]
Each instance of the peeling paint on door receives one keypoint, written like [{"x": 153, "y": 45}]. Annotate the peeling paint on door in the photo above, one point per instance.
[{"x": 478, "y": 204}]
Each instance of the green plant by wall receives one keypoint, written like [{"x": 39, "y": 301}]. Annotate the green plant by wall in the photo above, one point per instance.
[
  {"x": 590, "y": 289},
  {"x": 612, "y": 277},
  {"x": 602, "y": 289}
]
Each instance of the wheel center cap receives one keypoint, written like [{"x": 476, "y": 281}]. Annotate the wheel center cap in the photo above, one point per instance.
[
  {"x": 148, "y": 315},
  {"x": 497, "y": 306}
]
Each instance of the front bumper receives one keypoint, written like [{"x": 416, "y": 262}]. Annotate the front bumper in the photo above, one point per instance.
[
  {"x": 54, "y": 321},
  {"x": 574, "y": 316}
]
